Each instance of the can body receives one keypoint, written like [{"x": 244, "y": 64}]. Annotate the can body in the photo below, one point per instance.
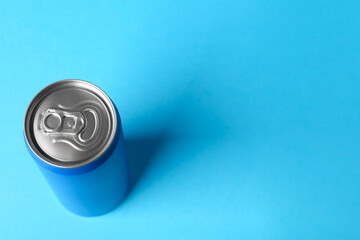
[{"x": 94, "y": 188}]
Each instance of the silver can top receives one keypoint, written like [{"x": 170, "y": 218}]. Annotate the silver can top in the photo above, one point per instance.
[{"x": 70, "y": 123}]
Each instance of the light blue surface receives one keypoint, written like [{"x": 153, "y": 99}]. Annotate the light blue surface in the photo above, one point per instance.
[{"x": 241, "y": 117}]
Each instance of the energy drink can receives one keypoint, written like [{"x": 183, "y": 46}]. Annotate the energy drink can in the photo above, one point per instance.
[{"x": 73, "y": 131}]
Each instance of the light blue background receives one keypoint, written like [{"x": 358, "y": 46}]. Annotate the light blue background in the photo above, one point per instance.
[{"x": 241, "y": 117}]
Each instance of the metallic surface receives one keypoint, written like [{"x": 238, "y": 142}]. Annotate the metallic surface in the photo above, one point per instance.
[
  {"x": 73, "y": 132},
  {"x": 70, "y": 123}
]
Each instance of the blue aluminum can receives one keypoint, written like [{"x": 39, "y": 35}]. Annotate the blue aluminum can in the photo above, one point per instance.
[{"x": 73, "y": 132}]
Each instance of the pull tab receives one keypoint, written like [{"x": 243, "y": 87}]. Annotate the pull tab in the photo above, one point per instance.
[{"x": 59, "y": 122}]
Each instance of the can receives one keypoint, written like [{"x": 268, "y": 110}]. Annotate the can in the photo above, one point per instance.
[{"x": 73, "y": 131}]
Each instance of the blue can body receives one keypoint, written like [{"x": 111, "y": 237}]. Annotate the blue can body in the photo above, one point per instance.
[{"x": 93, "y": 189}]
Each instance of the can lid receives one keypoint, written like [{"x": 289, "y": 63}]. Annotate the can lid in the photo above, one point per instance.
[{"x": 70, "y": 123}]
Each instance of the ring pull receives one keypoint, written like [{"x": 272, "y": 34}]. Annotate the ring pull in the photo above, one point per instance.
[
  {"x": 91, "y": 125},
  {"x": 58, "y": 122}
]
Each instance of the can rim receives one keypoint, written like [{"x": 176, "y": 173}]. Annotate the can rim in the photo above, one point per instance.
[{"x": 37, "y": 99}]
